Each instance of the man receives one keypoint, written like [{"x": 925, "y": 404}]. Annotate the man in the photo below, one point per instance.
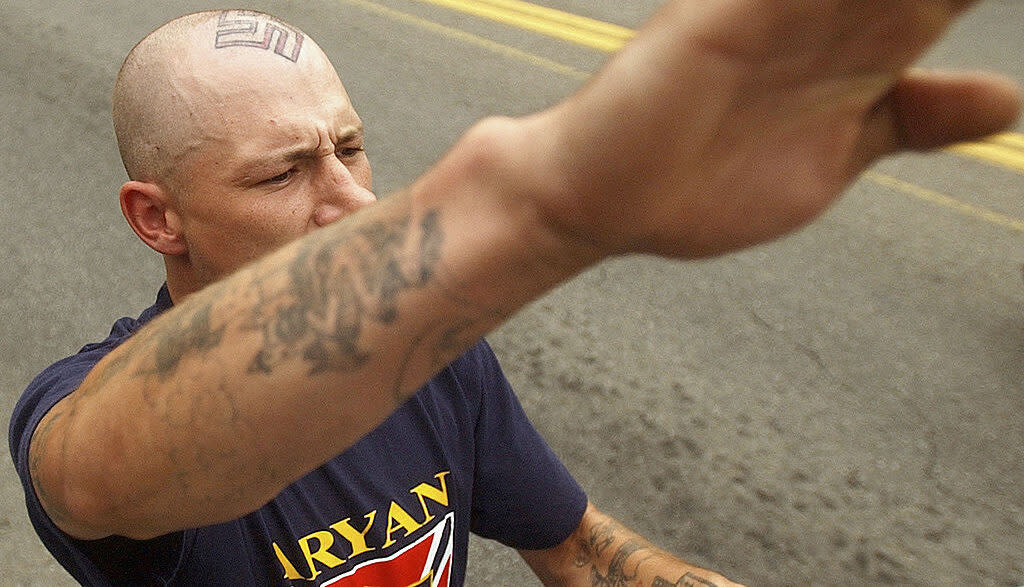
[
  {"x": 199, "y": 449},
  {"x": 233, "y": 150}
]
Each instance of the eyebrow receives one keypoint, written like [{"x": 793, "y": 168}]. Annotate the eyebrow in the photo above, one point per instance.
[{"x": 291, "y": 154}]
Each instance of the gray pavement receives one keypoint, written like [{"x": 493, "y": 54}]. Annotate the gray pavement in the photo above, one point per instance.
[{"x": 842, "y": 407}]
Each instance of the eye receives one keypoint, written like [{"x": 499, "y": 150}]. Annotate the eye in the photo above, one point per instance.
[
  {"x": 348, "y": 152},
  {"x": 281, "y": 177}
]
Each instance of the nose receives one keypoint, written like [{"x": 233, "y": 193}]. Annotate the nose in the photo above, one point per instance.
[{"x": 339, "y": 194}]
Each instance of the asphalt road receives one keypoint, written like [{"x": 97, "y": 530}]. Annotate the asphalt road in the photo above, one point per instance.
[{"x": 842, "y": 407}]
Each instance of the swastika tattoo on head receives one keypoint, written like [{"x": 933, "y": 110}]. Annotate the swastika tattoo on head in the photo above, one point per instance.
[{"x": 248, "y": 28}]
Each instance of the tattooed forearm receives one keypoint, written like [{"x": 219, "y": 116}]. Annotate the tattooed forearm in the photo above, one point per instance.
[
  {"x": 329, "y": 304},
  {"x": 618, "y": 557},
  {"x": 388, "y": 266}
]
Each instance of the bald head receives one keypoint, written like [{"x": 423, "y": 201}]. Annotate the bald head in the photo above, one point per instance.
[{"x": 178, "y": 84}]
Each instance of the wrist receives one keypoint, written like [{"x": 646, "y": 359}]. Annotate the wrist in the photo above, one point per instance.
[{"x": 493, "y": 188}]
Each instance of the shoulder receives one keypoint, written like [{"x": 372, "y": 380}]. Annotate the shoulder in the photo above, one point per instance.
[
  {"x": 52, "y": 385},
  {"x": 64, "y": 376}
]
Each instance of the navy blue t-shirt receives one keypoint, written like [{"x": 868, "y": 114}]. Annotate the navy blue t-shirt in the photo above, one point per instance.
[{"x": 394, "y": 509}]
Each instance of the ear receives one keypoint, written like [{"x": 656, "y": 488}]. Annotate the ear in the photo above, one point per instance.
[{"x": 149, "y": 210}]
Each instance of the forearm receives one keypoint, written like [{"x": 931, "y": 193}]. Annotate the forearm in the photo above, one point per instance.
[
  {"x": 214, "y": 407},
  {"x": 603, "y": 552}
]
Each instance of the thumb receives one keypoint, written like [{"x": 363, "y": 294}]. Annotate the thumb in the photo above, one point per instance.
[{"x": 929, "y": 109}]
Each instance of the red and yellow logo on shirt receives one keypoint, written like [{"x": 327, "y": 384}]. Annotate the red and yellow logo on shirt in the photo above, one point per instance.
[{"x": 426, "y": 562}]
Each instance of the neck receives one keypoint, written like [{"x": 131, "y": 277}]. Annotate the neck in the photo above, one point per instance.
[{"x": 181, "y": 279}]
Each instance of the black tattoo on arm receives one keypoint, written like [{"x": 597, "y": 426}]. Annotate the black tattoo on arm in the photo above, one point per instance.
[
  {"x": 331, "y": 303},
  {"x": 623, "y": 568},
  {"x": 592, "y": 546},
  {"x": 617, "y": 576},
  {"x": 249, "y": 28},
  {"x": 687, "y": 580},
  {"x": 172, "y": 344}
]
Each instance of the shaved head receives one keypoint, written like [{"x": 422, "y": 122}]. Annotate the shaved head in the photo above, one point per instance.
[
  {"x": 238, "y": 137},
  {"x": 179, "y": 83}
]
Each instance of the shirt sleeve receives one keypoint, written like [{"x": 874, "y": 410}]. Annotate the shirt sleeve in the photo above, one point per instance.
[
  {"x": 79, "y": 557},
  {"x": 523, "y": 496}
]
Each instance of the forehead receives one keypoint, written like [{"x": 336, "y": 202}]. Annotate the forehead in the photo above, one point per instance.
[
  {"x": 250, "y": 99},
  {"x": 245, "y": 101}
]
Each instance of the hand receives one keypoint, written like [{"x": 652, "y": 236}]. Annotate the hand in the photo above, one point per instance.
[{"x": 730, "y": 122}]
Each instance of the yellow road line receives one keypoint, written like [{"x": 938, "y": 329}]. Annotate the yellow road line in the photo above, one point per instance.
[
  {"x": 947, "y": 201},
  {"x": 584, "y": 31},
  {"x": 566, "y": 18},
  {"x": 471, "y": 39},
  {"x": 1006, "y": 150},
  {"x": 1008, "y": 139},
  {"x": 992, "y": 152}
]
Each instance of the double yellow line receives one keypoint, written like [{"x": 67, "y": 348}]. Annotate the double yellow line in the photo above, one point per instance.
[
  {"x": 1005, "y": 150},
  {"x": 577, "y": 29}
]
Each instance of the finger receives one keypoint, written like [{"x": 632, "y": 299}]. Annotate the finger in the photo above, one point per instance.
[{"x": 929, "y": 109}]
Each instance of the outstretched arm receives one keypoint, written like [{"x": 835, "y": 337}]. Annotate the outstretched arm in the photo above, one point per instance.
[
  {"x": 725, "y": 123},
  {"x": 604, "y": 553},
  {"x": 211, "y": 409}
]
